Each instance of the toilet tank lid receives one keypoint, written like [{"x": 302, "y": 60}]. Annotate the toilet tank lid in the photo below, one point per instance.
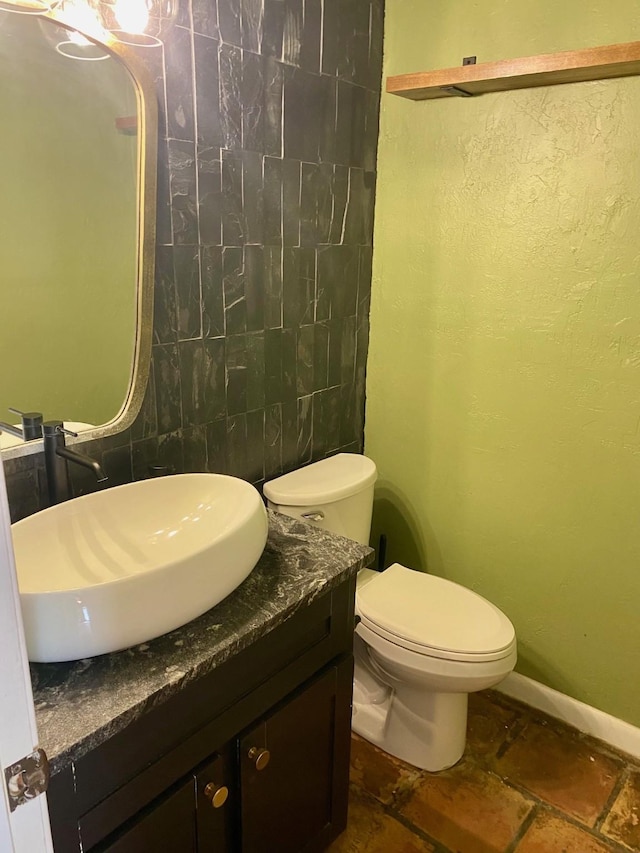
[{"x": 326, "y": 481}]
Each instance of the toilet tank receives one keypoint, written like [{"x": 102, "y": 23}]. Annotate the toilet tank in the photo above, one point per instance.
[{"x": 335, "y": 493}]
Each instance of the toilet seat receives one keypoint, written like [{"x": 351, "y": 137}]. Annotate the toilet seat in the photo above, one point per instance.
[{"x": 434, "y": 616}]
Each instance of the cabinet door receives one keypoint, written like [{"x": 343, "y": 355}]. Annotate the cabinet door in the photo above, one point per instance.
[
  {"x": 294, "y": 768},
  {"x": 194, "y": 818},
  {"x": 169, "y": 825}
]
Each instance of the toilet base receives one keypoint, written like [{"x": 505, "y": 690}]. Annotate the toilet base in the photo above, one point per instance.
[{"x": 432, "y": 738}]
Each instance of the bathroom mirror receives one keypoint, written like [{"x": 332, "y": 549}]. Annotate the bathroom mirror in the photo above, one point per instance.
[{"x": 77, "y": 227}]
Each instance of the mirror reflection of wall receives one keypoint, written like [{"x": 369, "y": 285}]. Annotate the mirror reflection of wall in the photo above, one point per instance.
[{"x": 68, "y": 227}]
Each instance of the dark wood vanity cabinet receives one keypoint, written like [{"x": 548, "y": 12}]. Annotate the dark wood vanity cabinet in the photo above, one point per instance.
[{"x": 252, "y": 758}]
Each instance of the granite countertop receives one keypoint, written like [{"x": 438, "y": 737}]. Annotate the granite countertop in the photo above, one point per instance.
[{"x": 81, "y": 704}]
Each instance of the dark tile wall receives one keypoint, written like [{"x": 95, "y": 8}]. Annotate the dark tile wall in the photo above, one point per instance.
[{"x": 263, "y": 270}]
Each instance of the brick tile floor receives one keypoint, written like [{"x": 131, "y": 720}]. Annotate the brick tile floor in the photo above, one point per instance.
[{"x": 526, "y": 784}]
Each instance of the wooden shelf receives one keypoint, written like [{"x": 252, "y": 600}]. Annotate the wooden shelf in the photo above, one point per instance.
[{"x": 550, "y": 69}]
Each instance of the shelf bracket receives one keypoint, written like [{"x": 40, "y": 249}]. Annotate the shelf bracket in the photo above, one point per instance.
[{"x": 456, "y": 90}]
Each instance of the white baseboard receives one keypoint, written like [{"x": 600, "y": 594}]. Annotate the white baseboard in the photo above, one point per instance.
[{"x": 583, "y": 717}]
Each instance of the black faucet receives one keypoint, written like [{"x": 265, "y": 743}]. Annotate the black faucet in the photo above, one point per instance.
[
  {"x": 56, "y": 458},
  {"x": 31, "y": 425}
]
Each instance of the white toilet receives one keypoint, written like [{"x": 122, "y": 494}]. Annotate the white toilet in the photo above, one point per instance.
[{"x": 422, "y": 643}]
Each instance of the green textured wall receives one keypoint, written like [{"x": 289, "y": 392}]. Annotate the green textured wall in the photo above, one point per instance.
[
  {"x": 68, "y": 219},
  {"x": 503, "y": 395}
]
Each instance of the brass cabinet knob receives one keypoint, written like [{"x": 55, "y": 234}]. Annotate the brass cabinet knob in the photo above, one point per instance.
[
  {"x": 217, "y": 794},
  {"x": 259, "y": 756}
]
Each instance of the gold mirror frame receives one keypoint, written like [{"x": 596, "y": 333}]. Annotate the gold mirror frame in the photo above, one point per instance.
[{"x": 147, "y": 136}]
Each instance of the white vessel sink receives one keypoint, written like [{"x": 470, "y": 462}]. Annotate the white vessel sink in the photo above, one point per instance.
[{"x": 115, "y": 568}]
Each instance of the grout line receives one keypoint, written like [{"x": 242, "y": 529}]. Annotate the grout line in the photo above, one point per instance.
[
  {"x": 522, "y": 830},
  {"x": 517, "y": 728},
  {"x": 541, "y": 805},
  {"x": 403, "y": 793},
  {"x": 613, "y": 796},
  {"x": 438, "y": 846},
  {"x": 613, "y": 845}
]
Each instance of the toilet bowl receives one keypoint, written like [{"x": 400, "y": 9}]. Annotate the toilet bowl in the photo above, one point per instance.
[{"x": 422, "y": 643}]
